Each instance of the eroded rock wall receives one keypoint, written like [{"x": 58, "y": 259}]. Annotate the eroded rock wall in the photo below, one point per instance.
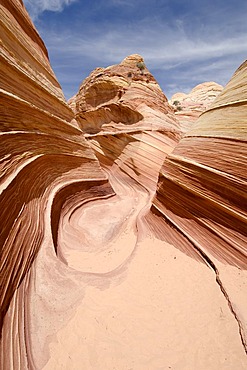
[
  {"x": 202, "y": 187},
  {"x": 42, "y": 151}
]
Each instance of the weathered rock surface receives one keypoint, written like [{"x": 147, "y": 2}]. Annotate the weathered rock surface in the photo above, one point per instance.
[
  {"x": 90, "y": 277},
  {"x": 188, "y": 107}
]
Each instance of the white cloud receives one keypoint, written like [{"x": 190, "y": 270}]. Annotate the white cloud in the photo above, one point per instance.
[
  {"x": 36, "y": 7},
  {"x": 173, "y": 51},
  {"x": 161, "y": 48}
]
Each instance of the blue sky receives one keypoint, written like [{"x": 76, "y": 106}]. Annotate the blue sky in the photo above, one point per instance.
[{"x": 183, "y": 42}]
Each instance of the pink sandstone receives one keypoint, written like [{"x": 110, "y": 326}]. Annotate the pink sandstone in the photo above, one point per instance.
[
  {"x": 123, "y": 237},
  {"x": 188, "y": 107}
]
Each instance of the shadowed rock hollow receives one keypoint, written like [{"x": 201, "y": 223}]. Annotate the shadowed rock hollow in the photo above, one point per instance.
[{"x": 123, "y": 235}]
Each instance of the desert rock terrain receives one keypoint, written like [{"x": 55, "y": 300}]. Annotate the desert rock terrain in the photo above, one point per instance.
[{"x": 123, "y": 225}]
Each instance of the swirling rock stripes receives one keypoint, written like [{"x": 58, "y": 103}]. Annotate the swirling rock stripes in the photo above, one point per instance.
[
  {"x": 209, "y": 166},
  {"x": 40, "y": 147}
]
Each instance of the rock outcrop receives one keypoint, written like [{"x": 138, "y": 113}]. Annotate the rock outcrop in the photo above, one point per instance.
[
  {"x": 101, "y": 268},
  {"x": 188, "y": 107},
  {"x": 127, "y": 119}
]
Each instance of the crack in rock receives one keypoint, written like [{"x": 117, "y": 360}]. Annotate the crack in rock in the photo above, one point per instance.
[
  {"x": 223, "y": 290},
  {"x": 212, "y": 265}
]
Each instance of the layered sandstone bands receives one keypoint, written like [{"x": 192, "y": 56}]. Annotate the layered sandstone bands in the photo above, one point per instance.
[
  {"x": 127, "y": 119},
  {"x": 202, "y": 187},
  {"x": 123, "y": 98},
  {"x": 49, "y": 173},
  {"x": 41, "y": 153},
  {"x": 209, "y": 163},
  {"x": 90, "y": 276}
]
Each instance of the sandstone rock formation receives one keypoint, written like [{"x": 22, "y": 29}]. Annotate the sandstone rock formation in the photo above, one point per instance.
[
  {"x": 188, "y": 107},
  {"x": 100, "y": 267},
  {"x": 127, "y": 119},
  {"x": 43, "y": 160},
  {"x": 202, "y": 192}
]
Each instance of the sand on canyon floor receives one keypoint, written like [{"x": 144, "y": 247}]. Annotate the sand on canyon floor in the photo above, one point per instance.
[{"x": 166, "y": 313}]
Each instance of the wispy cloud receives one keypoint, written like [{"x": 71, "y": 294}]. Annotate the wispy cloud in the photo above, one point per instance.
[
  {"x": 156, "y": 50},
  {"x": 37, "y": 7},
  {"x": 120, "y": 3},
  {"x": 180, "y": 51},
  {"x": 159, "y": 41}
]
